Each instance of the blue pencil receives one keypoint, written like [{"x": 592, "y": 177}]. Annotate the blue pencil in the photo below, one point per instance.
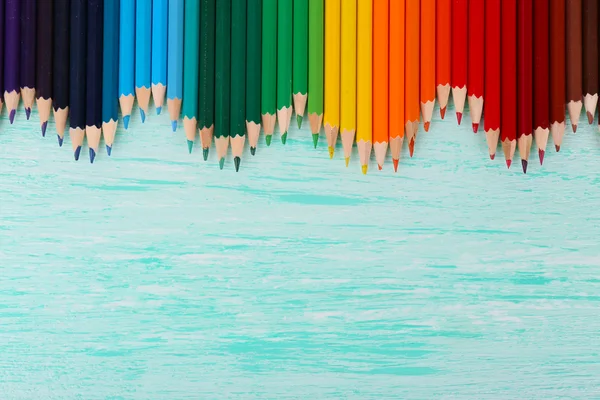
[
  {"x": 77, "y": 72},
  {"x": 160, "y": 10},
  {"x": 126, "y": 59},
  {"x": 143, "y": 56},
  {"x": 110, "y": 73},
  {"x": 175, "y": 61}
]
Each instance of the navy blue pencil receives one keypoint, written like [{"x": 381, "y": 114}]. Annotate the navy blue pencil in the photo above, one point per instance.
[
  {"x": 77, "y": 74},
  {"x": 43, "y": 73},
  {"x": 93, "y": 112},
  {"x": 28, "y": 28}
]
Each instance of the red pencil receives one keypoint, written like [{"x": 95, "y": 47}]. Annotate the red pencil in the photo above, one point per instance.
[
  {"x": 508, "y": 123},
  {"x": 493, "y": 65},
  {"x": 443, "y": 56},
  {"x": 460, "y": 10},
  {"x": 525, "y": 79},
  {"x": 558, "y": 86},
  {"x": 541, "y": 78},
  {"x": 574, "y": 61},
  {"x": 476, "y": 60}
]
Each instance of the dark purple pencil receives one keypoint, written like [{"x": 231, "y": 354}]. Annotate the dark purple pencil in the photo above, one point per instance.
[
  {"x": 28, "y": 54},
  {"x": 1, "y": 53},
  {"x": 12, "y": 56},
  {"x": 43, "y": 73}
]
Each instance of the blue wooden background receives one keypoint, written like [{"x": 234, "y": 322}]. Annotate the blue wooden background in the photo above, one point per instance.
[{"x": 153, "y": 275}]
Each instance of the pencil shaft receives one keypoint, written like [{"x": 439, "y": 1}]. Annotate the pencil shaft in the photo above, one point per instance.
[
  {"x": 28, "y": 35},
  {"x": 190, "y": 58},
  {"x": 143, "y": 38},
  {"x": 380, "y": 72},
  {"x": 95, "y": 9},
  {"x": 284, "y": 55},
  {"x": 175, "y": 50},
  {"x": 574, "y": 50},
  {"x": 348, "y": 67},
  {"x": 269, "y": 57},
  {"x": 12, "y": 53},
  {"x": 77, "y": 71},
  {"x": 315, "y": 58},
  {"x": 460, "y": 42},
  {"x": 160, "y": 11},
  {"x": 476, "y": 55},
  {"x": 61, "y": 59},
  {"x": 590, "y": 47},
  {"x": 127, "y": 48},
  {"x": 206, "y": 101},
  {"x": 541, "y": 60},
  {"x": 412, "y": 62},
  {"x": 396, "y": 91},
  {"x": 300, "y": 47},
  {"x": 2, "y": 52},
  {"x": 524, "y": 67},
  {"x": 331, "y": 111},
  {"x": 427, "y": 88},
  {"x": 557, "y": 61},
  {"x": 223, "y": 69},
  {"x": 253, "y": 74},
  {"x": 43, "y": 82},
  {"x": 364, "y": 71},
  {"x": 110, "y": 68},
  {"x": 509, "y": 71},
  {"x": 493, "y": 65},
  {"x": 238, "y": 68}
]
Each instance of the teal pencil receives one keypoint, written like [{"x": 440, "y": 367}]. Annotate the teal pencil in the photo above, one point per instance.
[
  {"x": 110, "y": 73},
  {"x": 206, "y": 98},
  {"x": 126, "y": 59},
  {"x": 191, "y": 45},
  {"x": 143, "y": 55},
  {"x": 175, "y": 61},
  {"x": 160, "y": 11}
]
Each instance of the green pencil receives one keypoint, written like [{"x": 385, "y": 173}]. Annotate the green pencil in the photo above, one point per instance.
[
  {"x": 238, "y": 80},
  {"x": 269, "y": 67},
  {"x": 315, "y": 67},
  {"x": 222, "y": 79},
  {"x": 206, "y": 101},
  {"x": 284, "y": 65},
  {"x": 253, "y": 55},
  {"x": 191, "y": 39},
  {"x": 300, "y": 64}
]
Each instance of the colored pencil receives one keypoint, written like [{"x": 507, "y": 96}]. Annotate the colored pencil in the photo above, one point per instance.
[
  {"x": 143, "y": 55},
  {"x": 254, "y": 26},
  {"x": 443, "y": 56},
  {"x": 508, "y": 123},
  {"x": 493, "y": 66},
  {"x": 12, "y": 58},
  {"x": 110, "y": 73},
  {"x": 222, "y": 79},
  {"x": 126, "y": 59},
  {"x": 590, "y": 57},
  {"x": 411, "y": 75},
  {"x": 160, "y": 19},
  {"x": 43, "y": 73},
  {"x": 268, "y": 98},
  {"x": 427, "y": 61},
  {"x": 331, "y": 112},
  {"x": 476, "y": 65},
  {"x": 574, "y": 61},
  {"x": 61, "y": 65},
  {"x": 28, "y": 28},
  {"x": 541, "y": 77},
  {"x": 284, "y": 65},
  {"x": 364, "y": 79},
  {"x": 396, "y": 91},
  {"x": 175, "y": 61},
  {"x": 1, "y": 54},
  {"x": 557, "y": 71},
  {"x": 77, "y": 72},
  {"x": 300, "y": 58},
  {"x": 348, "y": 77},
  {"x": 191, "y": 44},
  {"x": 381, "y": 10},
  {"x": 525, "y": 80},
  {"x": 238, "y": 79},
  {"x": 460, "y": 28},
  {"x": 206, "y": 99},
  {"x": 93, "y": 99},
  {"x": 315, "y": 66}
]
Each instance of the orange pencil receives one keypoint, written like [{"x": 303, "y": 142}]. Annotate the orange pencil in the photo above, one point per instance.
[
  {"x": 380, "y": 79},
  {"x": 460, "y": 39},
  {"x": 411, "y": 74},
  {"x": 443, "y": 48},
  {"x": 396, "y": 95},
  {"x": 427, "y": 61}
]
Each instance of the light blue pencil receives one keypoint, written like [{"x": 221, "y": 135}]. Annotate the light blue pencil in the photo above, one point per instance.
[
  {"x": 160, "y": 10},
  {"x": 143, "y": 55},
  {"x": 175, "y": 61},
  {"x": 126, "y": 59},
  {"x": 110, "y": 73}
]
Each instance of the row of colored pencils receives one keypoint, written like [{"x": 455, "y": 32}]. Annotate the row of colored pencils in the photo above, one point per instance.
[{"x": 369, "y": 70}]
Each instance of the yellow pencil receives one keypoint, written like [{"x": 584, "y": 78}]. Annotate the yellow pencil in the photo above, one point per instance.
[
  {"x": 331, "y": 115},
  {"x": 348, "y": 77},
  {"x": 364, "y": 87}
]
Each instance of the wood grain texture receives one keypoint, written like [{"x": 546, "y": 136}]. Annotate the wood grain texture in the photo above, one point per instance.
[{"x": 154, "y": 275}]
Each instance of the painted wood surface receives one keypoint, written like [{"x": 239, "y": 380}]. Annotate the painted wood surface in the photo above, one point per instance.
[{"x": 153, "y": 274}]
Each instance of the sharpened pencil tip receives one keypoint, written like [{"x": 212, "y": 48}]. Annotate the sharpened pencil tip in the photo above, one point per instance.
[
  {"x": 524, "y": 165},
  {"x": 108, "y": 150},
  {"x": 475, "y": 127},
  {"x": 379, "y": 167},
  {"x": 77, "y": 152},
  {"x": 557, "y": 147},
  {"x": 315, "y": 137},
  {"x": 158, "y": 110},
  {"x": 27, "y": 112},
  {"x": 411, "y": 147},
  {"x": 541, "y": 154},
  {"x": 443, "y": 112},
  {"x": 11, "y": 116},
  {"x": 492, "y": 156},
  {"x": 268, "y": 139},
  {"x": 126, "y": 119},
  {"x": 190, "y": 144},
  {"x": 236, "y": 162},
  {"x": 364, "y": 169},
  {"x": 60, "y": 140},
  {"x": 331, "y": 150},
  {"x": 252, "y": 150},
  {"x": 395, "y": 164},
  {"x": 299, "y": 119},
  {"x": 459, "y": 117},
  {"x": 426, "y": 126},
  {"x": 347, "y": 161},
  {"x": 44, "y": 126},
  {"x": 92, "y": 156},
  {"x": 143, "y": 115},
  {"x": 508, "y": 163},
  {"x": 284, "y": 137},
  {"x": 590, "y": 117},
  {"x": 221, "y": 162},
  {"x": 205, "y": 153},
  {"x": 174, "y": 125},
  {"x": 574, "y": 127}
]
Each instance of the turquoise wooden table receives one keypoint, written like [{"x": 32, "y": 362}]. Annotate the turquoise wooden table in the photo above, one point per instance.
[{"x": 154, "y": 275}]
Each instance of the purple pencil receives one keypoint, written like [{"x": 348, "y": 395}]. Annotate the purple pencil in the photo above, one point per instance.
[
  {"x": 12, "y": 20},
  {"x": 1, "y": 53},
  {"x": 28, "y": 25}
]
